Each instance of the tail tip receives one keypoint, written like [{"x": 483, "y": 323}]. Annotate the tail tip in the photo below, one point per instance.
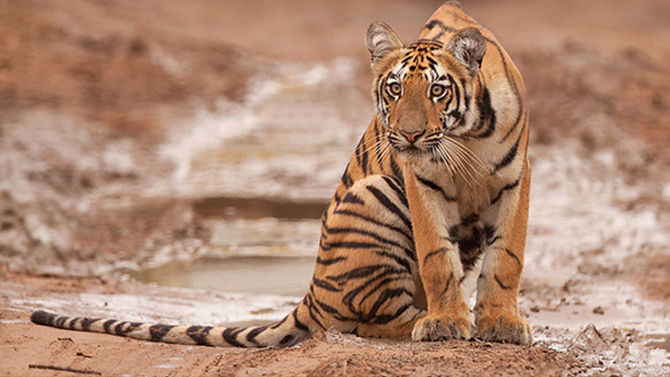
[{"x": 41, "y": 317}]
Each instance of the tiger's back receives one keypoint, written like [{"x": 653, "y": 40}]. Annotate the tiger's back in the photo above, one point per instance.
[{"x": 438, "y": 182}]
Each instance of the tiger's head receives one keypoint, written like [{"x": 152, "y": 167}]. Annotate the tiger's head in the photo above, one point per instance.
[{"x": 424, "y": 92}]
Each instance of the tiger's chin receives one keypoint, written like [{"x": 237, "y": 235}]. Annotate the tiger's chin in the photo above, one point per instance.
[{"x": 412, "y": 155}]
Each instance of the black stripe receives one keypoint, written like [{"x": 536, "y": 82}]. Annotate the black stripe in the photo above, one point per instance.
[
  {"x": 356, "y": 273},
  {"x": 466, "y": 95},
  {"x": 379, "y": 286},
  {"x": 502, "y": 190},
  {"x": 311, "y": 308},
  {"x": 385, "y": 296},
  {"x": 353, "y": 199},
  {"x": 331, "y": 310},
  {"x": 456, "y": 90},
  {"x": 378, "y": 143},
  {"x": 512, "y": 83},
  {"x": 60, "y": 321},
  {"x": 384, "y": 200},
  {"x": 298, "y": 324},
  {"x": 503, "y": 286},
  {"x": 125, "y": 327},
  {"x": 73, "y": 322},
  {"x": 397, "y": 172},
  {"x": 490, "y": 234},
  {"x": 448, "y": 285},
  {"x": 346, "y": 179},
  {"x": 325, "y": 285},
  {"x": 230, "y": 336},
  {"x": 328, "y": 262},
  {"x": 433, "y": 64},
  {"x": 511, "y": 254},
  {"x": 374, "y": 221},
  {"x": 514, "y": 127},
  {"x": 359, "y": 148},
  {"x": 87, "y": 322},
  {"x": 509, "y": 156},
  {"x": 158, "y": 332},
  {"x": 364, "y": 160},
  {"x": 433, "y": 186},
  {"x": 375, "y": 236},
  {"x": 251, "y": 335},
  {"x": 327, "y": 246},
  {"x": 276, "y": 325},
  {"x": 351, "y": 296},
  {"x": 386, "y": 318},
  {"x": 434, "y": 253},
  {"x": 107, "y": 325},
  {"x": 401, "y": 261},
  {"x": 199, "y": 334},
  {"x": 397, "y": 187},
  {"x": 437, "y": 23},
  {"x": 487, "y": 115}
]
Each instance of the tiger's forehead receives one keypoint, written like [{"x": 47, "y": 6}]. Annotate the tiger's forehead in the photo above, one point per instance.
[{"x": 420, "y": 61}]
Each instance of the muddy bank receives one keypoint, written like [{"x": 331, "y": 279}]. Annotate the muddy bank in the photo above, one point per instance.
[{"x": 326, "y": 354}]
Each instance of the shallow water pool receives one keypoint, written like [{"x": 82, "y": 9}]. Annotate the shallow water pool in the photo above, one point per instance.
[{"x": 286, "y": 276}]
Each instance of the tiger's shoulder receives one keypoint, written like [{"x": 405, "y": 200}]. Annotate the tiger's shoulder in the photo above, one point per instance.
[{"x": 498, "y": 72}]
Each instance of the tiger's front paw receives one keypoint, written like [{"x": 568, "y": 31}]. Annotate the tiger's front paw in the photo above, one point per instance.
[
  {"x": 441, "y": 327},
  {"x": 504, "y": 329}
]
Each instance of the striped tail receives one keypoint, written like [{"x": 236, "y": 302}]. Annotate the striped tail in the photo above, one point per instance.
[{"x": 293, "y": 329}]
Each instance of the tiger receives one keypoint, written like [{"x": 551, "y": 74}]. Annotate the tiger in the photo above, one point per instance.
[{"x": 432, "y": 204}]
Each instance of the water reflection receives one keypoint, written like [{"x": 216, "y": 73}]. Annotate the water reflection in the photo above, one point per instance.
[{"x": 288, "y": 276}]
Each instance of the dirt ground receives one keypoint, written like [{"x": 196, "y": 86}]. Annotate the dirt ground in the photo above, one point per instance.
[{"x": 92, "y": 91}]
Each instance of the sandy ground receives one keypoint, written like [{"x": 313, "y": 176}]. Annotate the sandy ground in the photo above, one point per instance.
[
  {"x": 112, "y": 121},
  {"x": 33, "y": 350}
]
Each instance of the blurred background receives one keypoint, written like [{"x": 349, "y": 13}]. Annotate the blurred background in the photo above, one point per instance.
[{"x": 195, "y": 144}]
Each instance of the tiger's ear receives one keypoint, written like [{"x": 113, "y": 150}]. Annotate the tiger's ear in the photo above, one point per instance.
[
  {"x": 468, "y": 47},
  {"x": 381, "y": 40}
]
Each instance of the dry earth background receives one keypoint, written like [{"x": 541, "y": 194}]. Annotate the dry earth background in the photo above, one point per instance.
[{"x": 136, "y": 135}]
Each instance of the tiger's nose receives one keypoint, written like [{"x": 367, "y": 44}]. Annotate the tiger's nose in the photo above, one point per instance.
[{"x": 412, "y": 136}]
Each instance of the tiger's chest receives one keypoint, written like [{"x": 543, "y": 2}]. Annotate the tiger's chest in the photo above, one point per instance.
[{"x": 463, "y": 217}]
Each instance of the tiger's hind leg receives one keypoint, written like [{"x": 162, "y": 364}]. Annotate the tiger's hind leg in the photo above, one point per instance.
[
  {"x": 365, "y": 280},
  {"x": 400, "y": 326}
]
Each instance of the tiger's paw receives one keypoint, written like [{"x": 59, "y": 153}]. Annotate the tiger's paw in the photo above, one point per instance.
[
  {"x": 441, "y": 327},
  {"x": 504, "y": 329}
]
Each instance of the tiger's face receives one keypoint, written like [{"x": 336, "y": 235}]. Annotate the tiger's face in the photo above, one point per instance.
[{"x": 424, "y": 92}]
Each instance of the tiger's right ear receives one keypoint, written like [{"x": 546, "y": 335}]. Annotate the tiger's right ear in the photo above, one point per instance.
[{"x": 381, "y": 40}]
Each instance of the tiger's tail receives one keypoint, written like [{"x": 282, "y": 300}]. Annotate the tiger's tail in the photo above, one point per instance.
[{"x": 294, "y": 328}]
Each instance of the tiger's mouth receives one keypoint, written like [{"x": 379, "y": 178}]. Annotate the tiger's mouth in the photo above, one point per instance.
[
  {"x": 409, "y": 150},
  {"x": 411, "y": 147}
]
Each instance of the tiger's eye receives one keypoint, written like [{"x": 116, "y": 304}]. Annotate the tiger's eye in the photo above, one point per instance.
[
  {"x": 437, "y": 90},
  {"x": 394, "y": 89}
]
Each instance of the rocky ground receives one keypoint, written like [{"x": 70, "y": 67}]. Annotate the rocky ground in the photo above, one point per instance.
[{"x": 119, "y": 119}]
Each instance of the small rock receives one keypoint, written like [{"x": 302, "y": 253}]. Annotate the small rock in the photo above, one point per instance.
[
  {"x": 598, "y": 310},
  {"x": 535, "y": 309}
]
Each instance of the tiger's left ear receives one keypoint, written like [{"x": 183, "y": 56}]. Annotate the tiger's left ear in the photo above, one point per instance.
[{"x": 468, "y": 47}]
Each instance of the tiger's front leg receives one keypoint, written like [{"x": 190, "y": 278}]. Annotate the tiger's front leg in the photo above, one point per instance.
[
  {"x": 432, "y": 212},
  {"x": 497, "y": 311}
]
